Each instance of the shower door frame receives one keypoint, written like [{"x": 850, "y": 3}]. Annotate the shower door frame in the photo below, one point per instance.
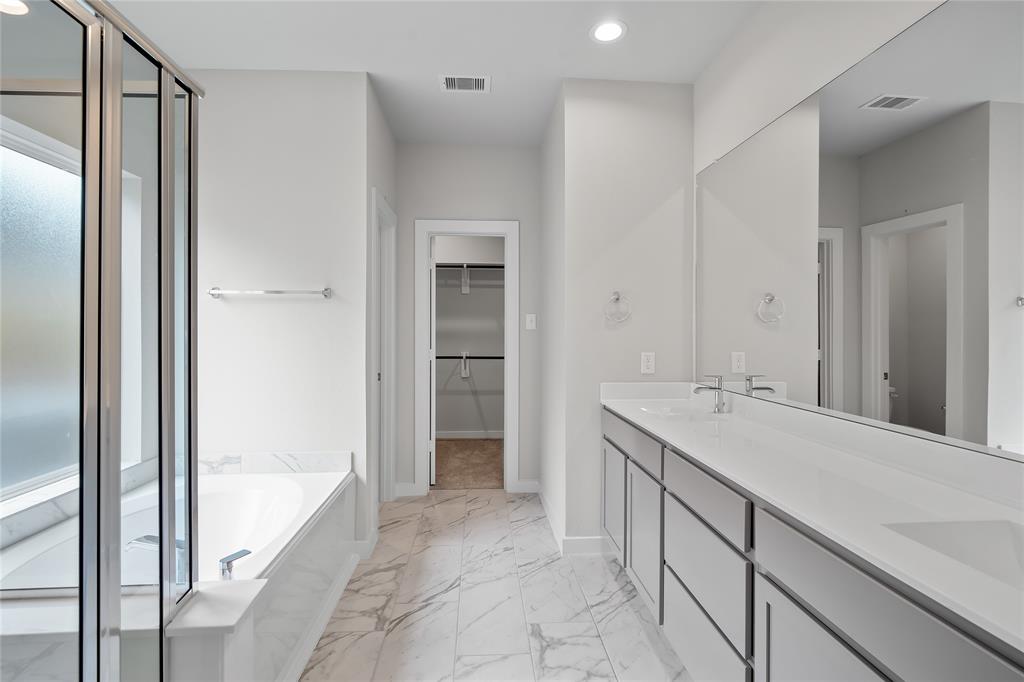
[{"x": 100, "y": 590}]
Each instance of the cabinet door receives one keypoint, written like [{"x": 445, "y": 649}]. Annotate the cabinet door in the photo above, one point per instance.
[
  {"x": 643, "y": 531},
  {"x": 613, "y": 512},
  {"x": 791, "y": 645}
]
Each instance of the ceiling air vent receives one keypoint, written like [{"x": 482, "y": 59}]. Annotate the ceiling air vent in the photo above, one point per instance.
[
  {"x": 465, "y": 83},
  {"x": 892, "y": 102}
]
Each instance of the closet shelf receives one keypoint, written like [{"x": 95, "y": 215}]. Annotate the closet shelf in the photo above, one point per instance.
[{"x": 469, "y": 357}]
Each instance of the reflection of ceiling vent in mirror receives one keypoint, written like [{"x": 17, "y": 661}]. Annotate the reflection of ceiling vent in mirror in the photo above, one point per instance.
[
  {"x": 465, "y": 83},
  {"x": 892, "y": 102}
]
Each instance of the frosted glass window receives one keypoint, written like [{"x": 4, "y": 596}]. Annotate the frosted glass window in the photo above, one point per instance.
[{"x": 40, "y": 314}]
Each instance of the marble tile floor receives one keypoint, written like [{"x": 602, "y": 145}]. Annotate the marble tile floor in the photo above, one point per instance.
[{"x": 470, "y": 585}]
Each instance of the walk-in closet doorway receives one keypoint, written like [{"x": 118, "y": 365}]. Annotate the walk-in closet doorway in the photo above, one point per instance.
[{"x": 467, "y": 375}]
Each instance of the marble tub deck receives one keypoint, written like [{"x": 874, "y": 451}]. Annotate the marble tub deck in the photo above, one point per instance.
[{"x": 470, "y": 585}]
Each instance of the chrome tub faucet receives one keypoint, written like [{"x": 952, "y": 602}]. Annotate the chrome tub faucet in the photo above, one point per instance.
[{"x": 227, "y": 564}]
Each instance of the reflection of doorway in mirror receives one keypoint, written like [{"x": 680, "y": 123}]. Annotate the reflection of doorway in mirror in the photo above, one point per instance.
[
  {"x": 831, "y": 290},
  {"x": 913, "y": 321}
]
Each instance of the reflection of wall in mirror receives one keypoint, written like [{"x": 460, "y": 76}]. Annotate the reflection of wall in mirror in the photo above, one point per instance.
[
  {"x": 945, "y": 164},
  {"x": 758, "y": 218},
  {"x": 974, "y": 158}
]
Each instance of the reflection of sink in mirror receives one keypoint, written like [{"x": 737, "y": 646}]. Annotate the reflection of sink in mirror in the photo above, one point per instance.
[{"x": 995, "y": 548}]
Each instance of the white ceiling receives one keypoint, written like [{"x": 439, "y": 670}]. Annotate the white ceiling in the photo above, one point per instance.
[
  {"x": 962, "y": 54},
  {"x": 527, "y": 48}
]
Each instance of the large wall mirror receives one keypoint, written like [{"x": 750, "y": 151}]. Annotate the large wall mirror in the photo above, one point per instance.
[{"x": 865, "y": 252}]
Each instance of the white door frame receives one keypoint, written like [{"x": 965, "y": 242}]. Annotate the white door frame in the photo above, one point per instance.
[
  {"x": 382, "y": 346},
  {"x": 837, "y": 288},
  {"x": 425, "y": 230},
  {"x": 875, "y": 287}
]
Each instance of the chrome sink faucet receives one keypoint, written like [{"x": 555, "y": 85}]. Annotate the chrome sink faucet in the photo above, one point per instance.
[
  {"x": 718, "y": 389},
  {"x": 751, "y": 388}
]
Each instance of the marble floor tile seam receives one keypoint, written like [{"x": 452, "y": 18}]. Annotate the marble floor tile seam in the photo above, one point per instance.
[{"x": 534, "y": 541}]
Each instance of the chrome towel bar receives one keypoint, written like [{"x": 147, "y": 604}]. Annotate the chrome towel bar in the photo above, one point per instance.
[{"x": 217, "y": 292}]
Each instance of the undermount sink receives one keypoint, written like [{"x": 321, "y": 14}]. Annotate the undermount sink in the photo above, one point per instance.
[
  {"x": 995, "y": 548},
  {"x": 664, "y": 411}
]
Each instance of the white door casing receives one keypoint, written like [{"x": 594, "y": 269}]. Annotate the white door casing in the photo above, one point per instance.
[
  {"x": 382, "y": 398},
  {"x": 424, "y": 421},
  {"x": 875, "y": 287}
]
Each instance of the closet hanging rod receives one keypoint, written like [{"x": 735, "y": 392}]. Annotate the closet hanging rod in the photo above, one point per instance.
[
  {"x": 469, "y": 357},
  {"x": 217, "y": 292},
  {"x": 482, "y": 266}
]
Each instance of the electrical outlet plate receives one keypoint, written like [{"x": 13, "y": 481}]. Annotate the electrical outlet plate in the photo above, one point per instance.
[
  {"x": 739, "y": 362},
  {"x": 531, "y": 321},
  {"x": 647, "y": 363}
]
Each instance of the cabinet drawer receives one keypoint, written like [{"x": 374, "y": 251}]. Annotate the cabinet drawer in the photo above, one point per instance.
[
  {"x": 641, "y": 447},
  {"x": 728, "y": 512},
  {"x": 717, "y": 575},
  {"x": 701, "y": 648},
  {"x": 900, "y": 635}
]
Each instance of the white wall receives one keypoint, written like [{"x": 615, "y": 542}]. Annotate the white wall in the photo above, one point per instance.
[
  {"x": 628, "y": 227},
  {"x": 552, "y": 323},
  {"x": 783, "y": 53},
  {"x": 757, "y": 218},
  {"x": 839, "y": 206},
  {"x": 471, "y": 182},
  {"x": 282, "y": 204},
  {"x": 942, "y": 165},
  {"x": 1006, "y": 276}
]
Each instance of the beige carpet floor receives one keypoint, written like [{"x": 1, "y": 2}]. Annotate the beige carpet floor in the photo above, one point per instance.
[{"x": 464, "y": 463}]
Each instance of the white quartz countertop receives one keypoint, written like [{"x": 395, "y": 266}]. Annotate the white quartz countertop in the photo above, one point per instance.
[{"x": 972, "y": 562}]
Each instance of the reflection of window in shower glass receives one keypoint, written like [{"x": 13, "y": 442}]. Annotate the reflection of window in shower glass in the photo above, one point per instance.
[
  {"x": 41, "y": 296},
  {"x": 140, "y": 367},
  {"x": 181, "y": 335},
  {"x": 40, "y": 248}
]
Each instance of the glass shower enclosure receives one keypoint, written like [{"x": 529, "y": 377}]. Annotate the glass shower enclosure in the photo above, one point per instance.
[{"x": 97, "y": 309}]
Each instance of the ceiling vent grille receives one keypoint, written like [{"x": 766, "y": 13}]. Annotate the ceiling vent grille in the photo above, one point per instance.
[
  {"x": 465, "y": 83},
  {"x": 892, "y": 102}
]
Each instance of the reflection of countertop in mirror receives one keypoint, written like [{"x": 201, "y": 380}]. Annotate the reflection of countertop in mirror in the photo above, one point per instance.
[{"x": 946, "y": 522}]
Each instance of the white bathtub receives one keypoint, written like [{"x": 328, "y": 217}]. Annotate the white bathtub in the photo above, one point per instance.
[
  {"x": 258, "y": 512},
  {"x": 297, "y": 527},
  {"x": 263, "y": 513}
]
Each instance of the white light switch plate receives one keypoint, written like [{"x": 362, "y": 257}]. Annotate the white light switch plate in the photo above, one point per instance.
[
  {"x": 647, "y": 363},
  {"x": 531, "y": 321},
  {"x": 739, "y": 362}
]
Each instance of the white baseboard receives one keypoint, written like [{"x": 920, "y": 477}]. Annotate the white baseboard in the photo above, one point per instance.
[
  {"x": 556, "y": 532},
  {"x": 410, "y": 489},
  {"x": 583, "y": 544},
  {"x": 364, "y": 548},
  {"x": 475, "y": 435},
  {"x": 292, "y": 670},
  {"x": 523, "y": 486}
]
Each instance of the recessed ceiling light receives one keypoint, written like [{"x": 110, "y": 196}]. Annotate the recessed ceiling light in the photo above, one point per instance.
[
  {"x": 608, "y": 31},
  {"x": 15, "y": 7}
]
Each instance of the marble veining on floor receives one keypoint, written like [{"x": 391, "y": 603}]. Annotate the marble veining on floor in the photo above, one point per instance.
[{"x": 470, "y": 585}]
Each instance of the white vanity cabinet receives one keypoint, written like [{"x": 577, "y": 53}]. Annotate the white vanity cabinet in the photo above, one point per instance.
[
  {"x": 643, "y": 533},
  {"x": 791, "y": 645},
  {"x": 613, "y": 505}
]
